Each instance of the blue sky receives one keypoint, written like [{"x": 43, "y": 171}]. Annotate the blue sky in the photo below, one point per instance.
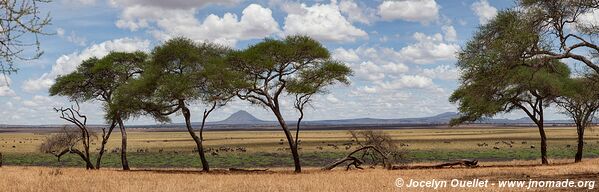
[{"x": 402, "y": 52}]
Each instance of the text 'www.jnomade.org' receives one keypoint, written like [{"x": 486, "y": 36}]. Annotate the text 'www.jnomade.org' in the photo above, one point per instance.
[{"x": 485, "y": 183}]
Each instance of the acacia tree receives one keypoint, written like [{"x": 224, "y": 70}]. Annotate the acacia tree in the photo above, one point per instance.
[
  {"x": 568, "y": 27},
  {"x": 315, "y": 80},
  {"x": 18, "y": 20},
  {"x": 181, "y": 72},
  {"x": 580, "y": 101},
  {"x": 273, "y": 67},
  {"x": 97, "y": 80},
  {"x": 497, "y": 78}
]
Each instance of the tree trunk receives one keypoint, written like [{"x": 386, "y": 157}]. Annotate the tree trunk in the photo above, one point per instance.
[
  {"x": 198, "y": 141},
  {"x": 578, "y": 157},
  {"x": 104, "y": 142},
  {"x": 88, "y": 162},
  {"x": 124, "y": 161},
  {"x": 0, "y": 159},
  {"x": 292, "y": 145},
  {"x": 541, "y": 125}
]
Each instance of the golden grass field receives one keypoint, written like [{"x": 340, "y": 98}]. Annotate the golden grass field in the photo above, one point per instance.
[
  {"x": 15, "y": 177},
  {"x": 44, "y": 179}
]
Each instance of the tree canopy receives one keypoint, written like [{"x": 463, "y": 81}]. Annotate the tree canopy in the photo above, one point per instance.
[{"x": 296, "y": 65}]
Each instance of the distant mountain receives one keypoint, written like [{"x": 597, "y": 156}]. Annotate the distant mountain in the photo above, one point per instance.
[
  {"x": 241, "y": 117},
  {"x": 242, "y": 120}
]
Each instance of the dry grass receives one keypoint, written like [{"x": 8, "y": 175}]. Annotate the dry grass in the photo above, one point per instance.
[
  {"x": 268, "y": 141},
  {"x": 74, "y": 179}
]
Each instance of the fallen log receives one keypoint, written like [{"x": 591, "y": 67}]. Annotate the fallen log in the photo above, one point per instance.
[
  {"x": 470, "y": 163},
  {"x": 353, "y": 160}
]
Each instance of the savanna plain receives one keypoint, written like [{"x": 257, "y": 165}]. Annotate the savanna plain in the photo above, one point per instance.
[{"x": 165, "y": 161}]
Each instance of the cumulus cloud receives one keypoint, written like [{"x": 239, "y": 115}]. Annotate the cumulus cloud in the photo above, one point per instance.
[
  {"x": 165, "y": 22},
  {"x": 357, "y": 13},
  {"x": 449, "y": 33},
  {"x": 68, "y": 63},
  {"x": 345, "y": 55},
  {"x": 38, "y": 101},
  {"x": 373, "y": 72},
  {"x": 423, "y": 11},
  {"x": 5, "y": 90},
  {"x": 323, "y": 22},
  {"x": 428, "y": 49},
  {"x": 408, "y": 81},
  {"x": 443, "y": 72},
  {"x": 484, "y": 11}
]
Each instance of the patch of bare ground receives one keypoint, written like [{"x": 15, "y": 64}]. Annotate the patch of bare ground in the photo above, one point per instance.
[{"x": 75, "y": 179}]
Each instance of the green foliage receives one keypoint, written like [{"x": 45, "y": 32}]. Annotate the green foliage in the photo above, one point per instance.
[
  {"x": 580, "y": 99},
  {"x": 179, "y": 71},
  {"x": 99, "y": 79},
  {"x": 497, "y": 76},
  {"x": 297, "y": 64}
]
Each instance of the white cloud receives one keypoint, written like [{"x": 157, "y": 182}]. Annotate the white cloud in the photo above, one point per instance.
[
  {"x": 72, "y": 37},
  {"x": 331, "y": 98},
  {"x": 484, "y": 11},
  {"x": 5, "y": 90},
  {"x": 60, "y": 32},
  {"x": 255, "y": 22},
  {"x": 345, "y": 55},
  {"x": 38, "y": 100},
  {"x": 428, "y": 49},
  {"x": 589, "y": 19},
  {"x": 443, "y": 72},
  {"x": 409, "y": 81},
  {"x": 423, "y": 11},
  {"x": 355, "y": 12},
  {"x": 323, "y": 22},
  {"x": 449, "y": 33},
  {"x": 376, "y": 72},
  {"x": 68, "y": 63}
]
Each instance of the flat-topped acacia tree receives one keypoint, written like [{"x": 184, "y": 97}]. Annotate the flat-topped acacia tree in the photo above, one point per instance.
[
  {"x": 496, "y": 77},
  {"x": 179, "y": 73},
  {"x": 296, "y": 65},
  {"x": 97, "y": 80},
  {"x": 580, "y": 101}
]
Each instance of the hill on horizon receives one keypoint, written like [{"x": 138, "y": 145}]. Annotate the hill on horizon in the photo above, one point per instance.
[{"x": 240, "y": 117}]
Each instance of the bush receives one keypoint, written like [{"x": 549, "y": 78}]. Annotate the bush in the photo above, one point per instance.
[{"x": 381, "y": 141}]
